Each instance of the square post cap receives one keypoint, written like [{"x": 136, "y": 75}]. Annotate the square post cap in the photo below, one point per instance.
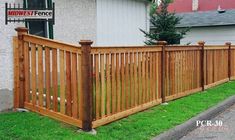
[
  {"x": 201, "y": 43},
  {"x": 228, "y": 43},
  {"x": 161, "y": 43},
  {"x": 85, "y": 42},
  {"x": 22, "y": 30}
]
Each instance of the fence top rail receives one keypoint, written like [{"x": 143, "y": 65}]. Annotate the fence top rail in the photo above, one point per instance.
[
  {"x": 183, "y": 48},
  {"x": 216, "y": 47},
  {"x": 125, "y": 49},
  {"x": 44, "y": 42}
]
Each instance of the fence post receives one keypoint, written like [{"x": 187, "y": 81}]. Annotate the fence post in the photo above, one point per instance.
[
  {"x": 229, "y": 59},
  {"x": 86, "y": 106},
  {"x": 19, "y": 94},
  {"x": 163, "y": 69},
  {"x": 202, "y": 45}
]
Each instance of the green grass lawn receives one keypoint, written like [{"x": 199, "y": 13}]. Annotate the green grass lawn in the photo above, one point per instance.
[{"x": 143, "y": 125}]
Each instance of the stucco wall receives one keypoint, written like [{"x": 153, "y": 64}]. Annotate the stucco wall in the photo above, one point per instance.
[
  {"x": 75, "y": 20},
  {"x": 211, "y": 35},
  {"x": 6, "y": 57}
]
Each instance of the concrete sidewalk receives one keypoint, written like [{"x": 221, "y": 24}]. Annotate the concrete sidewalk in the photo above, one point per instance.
[{"x": 224, "y": 132}]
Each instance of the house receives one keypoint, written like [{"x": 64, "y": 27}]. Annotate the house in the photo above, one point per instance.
[
  {"x": 210, "y": 20},
  {"x": 106, "y": 22}
]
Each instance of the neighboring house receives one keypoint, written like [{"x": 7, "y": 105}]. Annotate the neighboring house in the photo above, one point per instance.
[
  {"x": 106, "y": 22},
  {"x": 205, "y": 20},
  {"x": 182, "y": 6}
]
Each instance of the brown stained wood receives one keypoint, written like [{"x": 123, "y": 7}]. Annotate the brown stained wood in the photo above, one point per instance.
[
  {"x": 55, "y": 80},
  {"x": 114, "y": 95},
  {"x": 27, "y": 71},
  {"x": 123, "y": 81},
  {"x": 103, "y": 85},
  {"x": 74, "y": 89},
  {"x": 54, "y": 115},
  {"x": 40, "y": 75},
  {"x": 121, "y": 49},
  {"x": 183, "y": 94},
  {"x": 123, "y": 114},
  {"x": 151, "y": 86},
  {"x": 127, "y": 82},
  {"x": 108, "y": 90},
  {"x": 97, "y": 88},
  {"x": 52, "y": 43},
  {"x": 147, "y": 87},
  {"x": 155, "y": 79},
  {"x": 143, "y": 77},
  {"x": 48, "y": 77},
  {"x": 118, "y": 82},
  {"x": 135, "y": 79},
  {"x": 68, "y": 84},
  {"x": 62, "y": 82},
  {"x": 79, "y": 74},
  {"x": 33, "y": 74},
  {"x": 132, "y": 97},
  {"x": 140, "y": 93}
]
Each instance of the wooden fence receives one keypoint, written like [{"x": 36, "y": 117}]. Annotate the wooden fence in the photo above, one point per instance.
[{"x": 91, "y": 86}]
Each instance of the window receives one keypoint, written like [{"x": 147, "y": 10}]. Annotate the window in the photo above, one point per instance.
[{"x": 40, "y": 28}]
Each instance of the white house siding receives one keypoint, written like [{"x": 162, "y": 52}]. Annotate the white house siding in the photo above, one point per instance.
[
  {"x": 211, "y": 35},
  {"x": 119, "y": 21},
  {"x": 75, "y": 20},
  {"x": 6, "y": 57}
]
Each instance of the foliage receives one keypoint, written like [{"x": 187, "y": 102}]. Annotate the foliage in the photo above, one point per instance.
[{"x": 164, "y": 25}]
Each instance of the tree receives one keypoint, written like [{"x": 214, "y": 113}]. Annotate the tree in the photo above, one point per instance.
[{"x": 164, "y": 25}]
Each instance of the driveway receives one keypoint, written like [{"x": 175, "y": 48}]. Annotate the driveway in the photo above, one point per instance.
[{"x": 224, "y": 130}]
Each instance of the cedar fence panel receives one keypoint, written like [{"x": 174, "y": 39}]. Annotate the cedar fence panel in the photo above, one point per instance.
[{"x": 91, "y": 86}]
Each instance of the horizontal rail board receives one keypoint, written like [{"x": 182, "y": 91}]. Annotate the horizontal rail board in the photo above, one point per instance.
[
  {"x": 217, "y": 83},
  {"x": 216, "y": 47},
  {"x": 125, "y": 113},
  {"x": 183, "y": 94},
  {"x": 97, "y": 50},
  {"x": 52, "y": 44},
  {"x": 54, "y": 115},
  {"x": 181, "y": 48}
]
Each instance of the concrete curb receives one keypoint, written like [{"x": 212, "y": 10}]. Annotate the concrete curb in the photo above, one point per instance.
[{"x": 183, "y": 129}]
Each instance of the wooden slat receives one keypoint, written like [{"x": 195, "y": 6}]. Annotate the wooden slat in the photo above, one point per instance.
[
  {"x": 97, "y": 85},
  {"x": 131, "y": 80},
  {"x": 118, "y": 88},
  {"x": 135, "y": 79},
  {"x": 48, "y": 77},
  {"x": 33, "y": 73},
  {"x": 40, "y": 75},
  {"x": 108, "y": 100},
  {"x": 113, "y": 83},
  {"x": 143, "y": 78},
  {"x": 74, "y": 84},
  {"x": 55, "y": 79},
  {"x": 68, "y": 84},
  {"x": 79, "y": 74},
  {"x": 27, "y": 71},
  {"x": 127, "y": 82},
  {"x": 103, "y": 85},
  {"x": 123, "y": 80},
  {"x": 62, "y": 82},
  {"x": 139, "y": 78}
]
